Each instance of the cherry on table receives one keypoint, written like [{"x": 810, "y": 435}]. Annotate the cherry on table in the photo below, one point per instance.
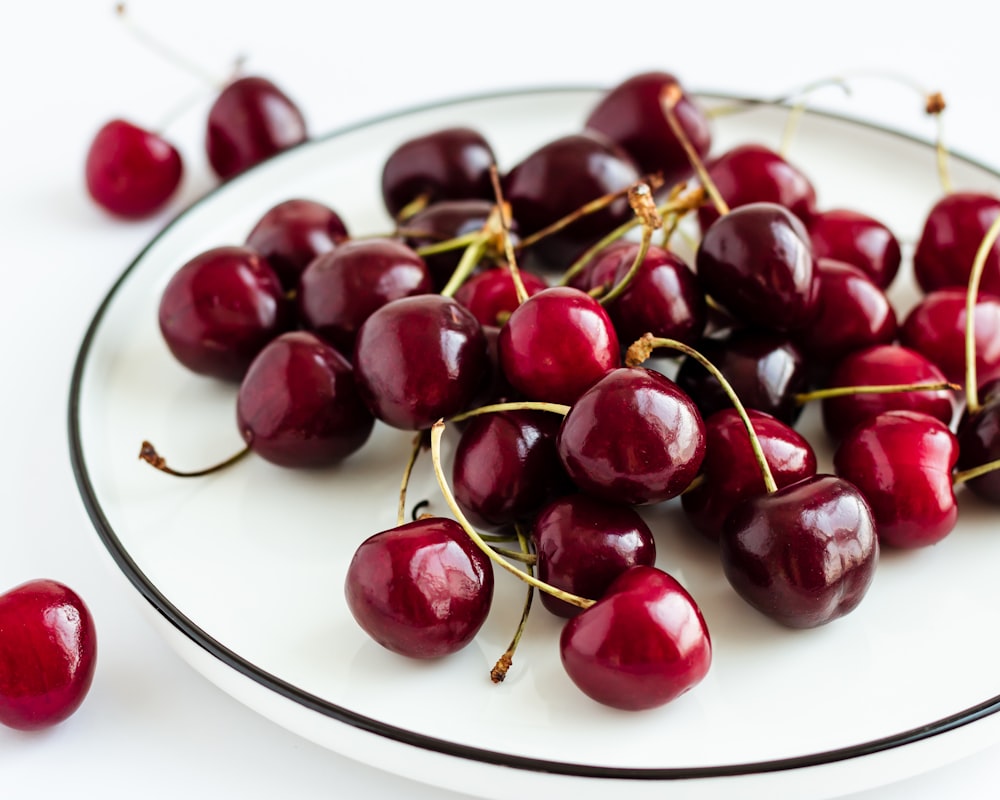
[{"x": 857, "y": 239}]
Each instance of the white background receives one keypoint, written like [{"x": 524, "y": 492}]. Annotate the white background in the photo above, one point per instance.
[{"x": 151, "y": 725}]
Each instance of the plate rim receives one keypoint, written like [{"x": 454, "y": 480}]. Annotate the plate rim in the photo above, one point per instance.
[{"x": 192, "y": 632}]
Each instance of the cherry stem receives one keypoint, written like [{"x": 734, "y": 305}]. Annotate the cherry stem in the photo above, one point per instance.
[
  {"x": 669, "y": 98},
  {"x": 503, "y": 210},
  {"x": 641, "y": 200},
  {"x": 444, "y": 246},
  {"x": 407, "y": 472},
  {"x": 641, "y": 349},
  {"x": 971, "y": 296},
  {"x": 437, "y": 429},
  {"x": 466, "y": 264},
  {"x": 890, "y": 388},
  {"x": 415, "y": 206},
  {"x": 517, "y": 405},
  {"x": 148, "y": 454},
  {"x": 516, "y": 555},
  {"x": 499, "y": 671},
  {"x": 975, "y": 472}
]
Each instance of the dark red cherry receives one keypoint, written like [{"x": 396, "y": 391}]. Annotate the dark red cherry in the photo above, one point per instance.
[
  {"x": 583, "y": 544},
  {"x": 804, "y": 555},
  {"x": 631, "y": 115},
  {"x": 341, "y": 288},
  {"x": 935, "y": 327},
  {"x": 418, "y": 359},
  {"x": 757, "y": 262},
  {"x": 220, "y": 308},
  {"x": 643, "y": 644},
  {"x": 979, "y": 441},
  {"x": 852, "y": 313},
  {"x": 902, "y": 462},
  {"x": 422, "y": 589},
  {"x": 491, "y": 297},
  {"x": 634, "y": 437},
  {"x": 557, "y": 344},
  {"x": 506, "y": 467},
  {"x": 555, "y": 181},
  {"x": 752, "y": 173},
  {"x": 765, "y": 369},
  {"x": 730, "y": 472},
  {"x": 448, "y": 164},
  {"x": 250, "y": 121},
  {"x": 130, "y": 171},
  {"x": 48, "y": 654},
  {"x": 856, "y": 239},
  {"x": 292, "y": 233},
  {"x": 884, "y": 365},
  {"x": 298, "y": 405},
  {"x": 952, "y": 233}
]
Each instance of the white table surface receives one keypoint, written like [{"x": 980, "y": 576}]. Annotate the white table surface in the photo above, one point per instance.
[{"x": 152, "y": 726}]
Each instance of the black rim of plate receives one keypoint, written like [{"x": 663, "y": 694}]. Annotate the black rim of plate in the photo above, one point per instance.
[{"x": 233, "y": 660}]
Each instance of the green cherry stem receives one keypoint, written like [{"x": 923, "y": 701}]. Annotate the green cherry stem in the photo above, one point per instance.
[
  {"x": 436, "y": 432},
  {"x": 148, "y": 454},
  {"x": 407, "y": 472},
  {"x": 890, "y": 388},
  {"x": 499, "y": 671},
  {"x": 444, "y": 246},
  {"x": 641, "y": 201},
  {"x": 518, "y": 405},
  {"x": 669, "y": 99},
  {"x": 972, "y": 294},
  {"x": 975, "y": 472},
  {"x": 466, "y": 264},
  {"x": 503, "y": 212}
]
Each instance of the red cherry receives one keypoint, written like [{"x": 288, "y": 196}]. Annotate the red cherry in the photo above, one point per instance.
[
  {"x": 491, "y": 296},
  {"x": 979, "y": 441},
  {"x": 643, "y": 644},
  {"x": 250, "y": 121},
  {"x": 422, "y": 589},
  {"x": 953, "y": 230},
  {"x": 902, "y": 463},
  {"x": 856, "y": 239},
  {"x": 48, "y": 653},
  {"x": 130, "y": 171}
]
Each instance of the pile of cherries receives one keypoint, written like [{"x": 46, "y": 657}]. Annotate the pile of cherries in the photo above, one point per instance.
[{"x": 519, "y": 307}]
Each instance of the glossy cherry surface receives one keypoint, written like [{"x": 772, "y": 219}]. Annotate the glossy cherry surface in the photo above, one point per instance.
[
  {"x": 584, "y": 544},
  {"x": 220, "y": 309},
  {"x": 634, "y": 437},
  {"x": 250, "y": 121},
  {"x": 422, "y": 589},
  {"x": 130, "y": 171},
  {"x": 979, "y": 441},
  {"x": 631, "y": 115},
  {"x": 902, "y": 462},
  {"x": 804, "y": 555},
  {"x": 884, "y": 365},
  {"x": 935, "y": 327},
  {"x": 292, "y": 233},
  {"x": 418, "y": 359},
  {"x": 954, "y": 228},
  {"x": 298, "y": 405},
  {"x": 730, "y": 472},
  {"x": 757, "y": 262},
  {"x": 48, "y": 654},
  {"x": 448, "y": 164},
  {"x": 857, "y": 239},
  {"x": 556, "y": 180},
  {"x": 643, "y": 644},
  {"x": 491, "y": 297},
  {"x": 557, "y": 344},
  {"x": 341, "y": 288}
]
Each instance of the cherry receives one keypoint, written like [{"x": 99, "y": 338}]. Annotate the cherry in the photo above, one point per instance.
[
  {"x": 852, "y": 313},
  {"x": 857, "y": 239},
  {"x": 882, "y": 365},
  {"x": 634, "y": 437},
  {"x": 48, "y": 653},
  {"x": 643, "y": 644},
  {"x": 220, "y": 308},
  {"x": 583, "y": 544},
  {"x": 935, "y": 327},
  {"x": 630, "y": 114},
  {"x": 730, "y": 472},
  {"x": 448, "y": 164},
  {"x": 341, "y": 288},
  {"x": 250, "y": 121},
  {"x": 555, "y": 180},
  {"x": 422, "y": 589},
  {"x": 491, "y": 295},
  {"x": 298, "y": 405},
  {"x": 506, "y": 466},
  {"x": 952, "y": 232},
  {"x": 292, "y": 233},
  {"x": 752, "y": 173},
  {"x": 979, "y": 440},
  {"x": 130, "y": 171},
  {"x": 757, "y": 262},
  {"x": 557, "y": 344},
  {"x": 803, "y": 555},
  {"x": 902, "y": 463},
  {"x": 418, "y": 359}
]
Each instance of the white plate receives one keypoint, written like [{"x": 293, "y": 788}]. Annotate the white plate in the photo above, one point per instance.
[{"x": 245, "y": 568}]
